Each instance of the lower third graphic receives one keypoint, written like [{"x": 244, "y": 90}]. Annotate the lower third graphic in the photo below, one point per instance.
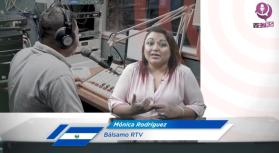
[{"x": 74, "y": 136}]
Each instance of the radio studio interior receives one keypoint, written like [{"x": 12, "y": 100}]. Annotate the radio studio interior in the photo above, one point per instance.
[
  {"x": 110, "y": 33},
  {"x": 106, "y": 56}
]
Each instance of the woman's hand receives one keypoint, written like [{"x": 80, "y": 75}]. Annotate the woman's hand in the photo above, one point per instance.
[
  {"x": 135, "y": 108},
  {"x": 141, "y": 107},
  {"x": 169, "y": 111}
]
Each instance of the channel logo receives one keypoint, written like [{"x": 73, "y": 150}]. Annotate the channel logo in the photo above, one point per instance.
[
  {"x": 263, "y": 11},
  {"x": 73, "y": 136}
]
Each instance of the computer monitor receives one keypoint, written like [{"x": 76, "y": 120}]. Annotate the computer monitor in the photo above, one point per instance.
[{"x": 134, "y": 45}]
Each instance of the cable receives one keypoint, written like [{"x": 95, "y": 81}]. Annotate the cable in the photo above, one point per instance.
[
  {"x": 26, "y": 39},
  {"x": 14, "y": 5},
  {"x": 26, "y": 42},
  {"x": 9, "y": 4},
  {"x": 124, "y": 63}
]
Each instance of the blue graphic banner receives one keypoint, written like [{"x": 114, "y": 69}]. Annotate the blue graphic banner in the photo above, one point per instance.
[
  {"x": 84, "y": 129},
  {"x": 166, "y": 124},
  {"x": 57, "y": 131},
  {"x": 74, "y": 136}
]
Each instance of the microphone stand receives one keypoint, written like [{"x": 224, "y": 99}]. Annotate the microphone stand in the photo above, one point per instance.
[{"x": 184, "y": 13}]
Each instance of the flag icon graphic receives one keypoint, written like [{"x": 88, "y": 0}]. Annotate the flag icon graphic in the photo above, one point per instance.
[{"x": 74, "y": 136}]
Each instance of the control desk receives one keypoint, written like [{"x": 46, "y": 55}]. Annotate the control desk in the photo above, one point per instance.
[{"x": 96, "y": 83}]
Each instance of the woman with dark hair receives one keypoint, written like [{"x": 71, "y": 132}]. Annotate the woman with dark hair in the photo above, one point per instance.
[{"x": 158, "y": 86}]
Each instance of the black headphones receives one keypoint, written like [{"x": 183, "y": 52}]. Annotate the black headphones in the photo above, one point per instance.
[{"x": 64, "y": 35}]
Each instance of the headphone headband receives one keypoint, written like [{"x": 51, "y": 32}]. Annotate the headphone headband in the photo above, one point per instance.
[{"x": 64, "y": 35}]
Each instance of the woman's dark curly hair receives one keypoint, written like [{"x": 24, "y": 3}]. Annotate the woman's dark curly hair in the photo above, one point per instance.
[{"x": 174, "y": 60}]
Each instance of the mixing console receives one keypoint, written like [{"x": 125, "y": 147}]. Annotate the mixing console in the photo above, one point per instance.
[{"x": 102, "y": 83}]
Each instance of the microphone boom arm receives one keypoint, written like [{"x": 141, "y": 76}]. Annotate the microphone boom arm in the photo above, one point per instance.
[{"x": 184, "y": 13}]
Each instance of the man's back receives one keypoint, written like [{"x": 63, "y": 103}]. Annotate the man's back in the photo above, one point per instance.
[{"x": 41, "y": 81}]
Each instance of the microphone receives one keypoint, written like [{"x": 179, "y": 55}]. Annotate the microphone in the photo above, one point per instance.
[{"x": 87, "y": 53}]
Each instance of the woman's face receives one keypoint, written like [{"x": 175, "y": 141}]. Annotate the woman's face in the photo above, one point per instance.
[{"x": 156, "y": 49}]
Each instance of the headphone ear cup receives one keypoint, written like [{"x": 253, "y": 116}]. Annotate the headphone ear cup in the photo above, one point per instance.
[{"x": 65, "y": 40}]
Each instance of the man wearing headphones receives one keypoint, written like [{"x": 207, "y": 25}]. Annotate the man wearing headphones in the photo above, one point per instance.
[{"x": 40, "y": 79}]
